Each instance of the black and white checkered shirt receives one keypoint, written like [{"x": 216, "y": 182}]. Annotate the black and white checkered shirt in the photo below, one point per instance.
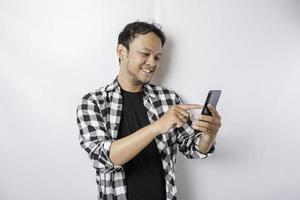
[{"x": 98, "y": 118}]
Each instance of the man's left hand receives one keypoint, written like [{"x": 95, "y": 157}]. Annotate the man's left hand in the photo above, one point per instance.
[{"x": 209, "y": 125}]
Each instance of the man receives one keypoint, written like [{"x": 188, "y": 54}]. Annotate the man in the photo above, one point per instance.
[{"x": 131, "y": 128}]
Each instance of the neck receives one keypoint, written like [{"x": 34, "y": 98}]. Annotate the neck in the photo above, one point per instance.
[{"x": 127, "y": 85}]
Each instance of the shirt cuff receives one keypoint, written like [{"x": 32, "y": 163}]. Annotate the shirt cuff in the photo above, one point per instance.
[{"x": 200, "y": 154}]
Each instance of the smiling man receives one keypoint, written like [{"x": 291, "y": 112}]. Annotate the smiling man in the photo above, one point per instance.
[{"x": 131, "y": 129}]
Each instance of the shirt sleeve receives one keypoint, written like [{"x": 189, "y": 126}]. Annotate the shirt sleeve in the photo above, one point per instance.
[
  {"x": 93, "y": 136},
  {"x": 188, "y": 139}
]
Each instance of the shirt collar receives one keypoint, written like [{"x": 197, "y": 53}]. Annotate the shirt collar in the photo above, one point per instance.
[{"x": 114, "y": 86}]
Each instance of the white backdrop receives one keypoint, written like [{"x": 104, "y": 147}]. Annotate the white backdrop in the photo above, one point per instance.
[{"x": 54, "y": 52}]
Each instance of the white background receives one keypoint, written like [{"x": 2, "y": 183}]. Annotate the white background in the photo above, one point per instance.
[{"x": 54, "y": 52}]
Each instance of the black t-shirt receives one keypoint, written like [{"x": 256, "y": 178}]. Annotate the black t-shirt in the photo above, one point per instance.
[{"x": 144, "y": 174}]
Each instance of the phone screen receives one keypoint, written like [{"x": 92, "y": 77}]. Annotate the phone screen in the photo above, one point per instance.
[{"x": 212, "y": 99}]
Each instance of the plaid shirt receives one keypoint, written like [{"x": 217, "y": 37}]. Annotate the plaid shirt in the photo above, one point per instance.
[{"x": 98, "y": 118}]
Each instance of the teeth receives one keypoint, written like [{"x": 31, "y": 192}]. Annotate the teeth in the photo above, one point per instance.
[{"x": 146, "y": 70}]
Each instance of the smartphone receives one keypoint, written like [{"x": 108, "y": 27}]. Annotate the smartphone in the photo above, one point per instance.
[{"x": 212, "y": 99}]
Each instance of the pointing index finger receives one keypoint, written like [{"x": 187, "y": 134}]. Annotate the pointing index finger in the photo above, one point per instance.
[{"x": 190, "y": 106}]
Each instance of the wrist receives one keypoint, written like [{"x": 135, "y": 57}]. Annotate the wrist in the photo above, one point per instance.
[
  {"x": 205, "y": 144},
  {"x": 207, "y": 139},
  {"x": 154, "y": 129}
]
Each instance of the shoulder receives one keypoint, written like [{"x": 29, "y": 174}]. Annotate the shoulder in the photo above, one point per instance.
[{"x": 96, "y": 97}]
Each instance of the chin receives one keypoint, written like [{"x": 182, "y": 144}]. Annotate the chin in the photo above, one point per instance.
[
  {"x": 146, "y": 81},
  {"x": 143, "y": 81}
]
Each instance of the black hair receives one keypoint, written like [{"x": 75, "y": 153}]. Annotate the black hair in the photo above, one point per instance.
[{"x": 134, "y": 29}]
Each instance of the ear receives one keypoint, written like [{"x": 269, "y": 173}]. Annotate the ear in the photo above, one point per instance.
[{"x": 121, "y": 51}]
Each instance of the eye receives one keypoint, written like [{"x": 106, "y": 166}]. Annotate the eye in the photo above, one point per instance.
[
  {"x": 157, "y": 58},
  {"x": 145, "y": 54}
]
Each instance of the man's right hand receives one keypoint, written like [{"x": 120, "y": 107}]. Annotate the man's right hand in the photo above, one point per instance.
[
  {"x": 176, "y": 116},
  {"x": 124, "y": 149}
]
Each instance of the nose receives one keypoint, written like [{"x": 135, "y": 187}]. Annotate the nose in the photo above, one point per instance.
[{"x": 151, "y": 62}]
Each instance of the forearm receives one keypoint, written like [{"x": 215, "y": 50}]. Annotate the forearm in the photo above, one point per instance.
[
  {"x": 123, "y": 150},
  {"x": 206, "y": 142}
]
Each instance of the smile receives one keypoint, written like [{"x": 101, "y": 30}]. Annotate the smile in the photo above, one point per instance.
[{"x": 146, "y": 70}]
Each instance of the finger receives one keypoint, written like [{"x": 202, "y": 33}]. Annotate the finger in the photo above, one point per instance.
[
  {"x": 179, "y": 122},
  {"x": 200, "y": 128},
  {"x": 212, "y": 120},
  {"x": 214, "y": 112},
  {"x": 205, "y": 118},
  {"x": 182, "y": 117},
  {"x": 205, "y": 129},
  {"x": 206, "y": 125},
  {"x": 183, "y": 112},
  {"x": 190, "y": 106}
]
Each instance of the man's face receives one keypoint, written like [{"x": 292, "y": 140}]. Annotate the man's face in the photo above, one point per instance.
[{"x": 141, "y": 60}]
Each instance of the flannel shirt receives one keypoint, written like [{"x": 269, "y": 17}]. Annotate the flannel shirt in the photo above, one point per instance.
[{"x": 98, "y": 118}]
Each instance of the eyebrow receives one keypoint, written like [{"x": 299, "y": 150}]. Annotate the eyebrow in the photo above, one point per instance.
[{"x": 150, "y": 50}]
